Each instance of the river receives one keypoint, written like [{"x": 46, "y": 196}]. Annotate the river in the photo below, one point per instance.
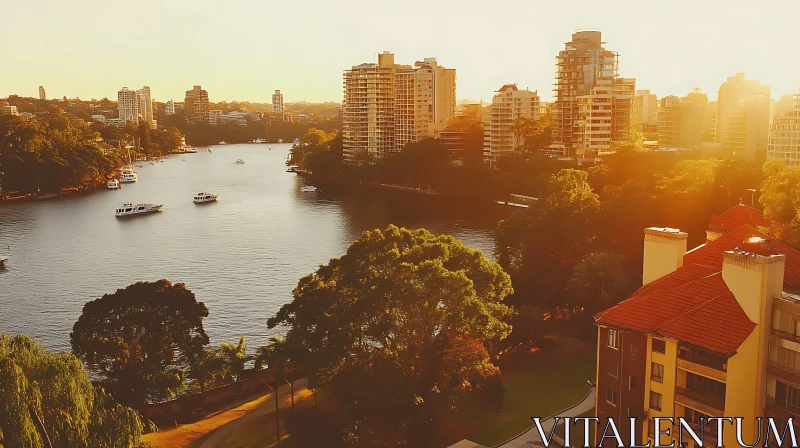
[{"x": 241, "y": 256}]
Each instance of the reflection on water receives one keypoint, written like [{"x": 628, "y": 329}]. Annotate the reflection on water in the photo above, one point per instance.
[{"x": 242, "y": 256}]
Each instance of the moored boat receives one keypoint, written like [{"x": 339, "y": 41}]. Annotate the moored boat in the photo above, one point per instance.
[
  {"x": 130, "y": 209},
  {"x": 112, "y": 184},
  {"x": 308, "y": 189},
  {"x": 3, "y": 261},
  {"x": 127, "y": 176},
  {"x": 205, "y": 197}
]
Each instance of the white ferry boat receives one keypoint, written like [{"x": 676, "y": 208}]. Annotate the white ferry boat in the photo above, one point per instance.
[
  {"x": 204, "y": 197},
  {"x": 296, "y": 141},
  {"x": 308, "y": 189},
  {"x": 136, "y": 209},
  {"x": 189, "y": 150},
  {"x": 223, "y": 142},
  {"x": 113, "y": 184},
  {"x": 127, "y": 176}
]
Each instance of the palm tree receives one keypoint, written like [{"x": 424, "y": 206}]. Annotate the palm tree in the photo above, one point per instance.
[
  {"x": 597, "y": 281},
  {"x": 235, "y": 357}
]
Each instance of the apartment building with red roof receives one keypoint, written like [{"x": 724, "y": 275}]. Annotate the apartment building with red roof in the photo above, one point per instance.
[{"x": 714, "y": 331}]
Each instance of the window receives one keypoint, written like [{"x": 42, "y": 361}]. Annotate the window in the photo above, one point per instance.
[
  {"x": 631, "y": 382},
  {"x": 655, "y": 400},
  {"x": 659, "y": 346},
  {"x": 611, "y": 396},
  {"x": 787, "y": 396},
  {"x": 657, "y": 372},
  {"x": 612, "y": 368},
  {"x": 613, "y": 338}
]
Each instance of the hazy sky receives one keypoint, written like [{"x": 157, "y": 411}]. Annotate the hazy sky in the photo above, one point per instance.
[{"x": 245, "y": 49}]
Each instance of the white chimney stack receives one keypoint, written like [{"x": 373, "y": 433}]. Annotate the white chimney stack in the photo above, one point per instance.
[{"x": 664, "y": 249}]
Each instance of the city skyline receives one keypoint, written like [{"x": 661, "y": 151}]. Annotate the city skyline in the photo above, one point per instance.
[{"x": 235, "y": 56}]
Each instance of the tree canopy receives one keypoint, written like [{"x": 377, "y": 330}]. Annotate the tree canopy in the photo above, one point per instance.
[
  {"x": 400, "y": 325},
  {"x": 136, "y": 339},
  {"x": 47, "y": 396},
  {"x": 780, "y": 197}
]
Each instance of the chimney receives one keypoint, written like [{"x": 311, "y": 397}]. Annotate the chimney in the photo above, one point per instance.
[
  {"x": 664, "y": 249},
  {"x": 754, "y": 279}
]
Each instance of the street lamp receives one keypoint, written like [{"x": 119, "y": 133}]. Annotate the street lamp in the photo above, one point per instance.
[{"x": 752, "y": 195}]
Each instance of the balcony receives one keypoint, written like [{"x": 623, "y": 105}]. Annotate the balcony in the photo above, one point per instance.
[
  {"x": 703, "y": 369},
  {"x": 785, "y": 335},
  {"x": 707, "y": 403},
  {"x": 709, "y": 436}
]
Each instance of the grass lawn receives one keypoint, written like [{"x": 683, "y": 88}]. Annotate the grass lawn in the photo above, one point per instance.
[{"x": 537, "y": 391}]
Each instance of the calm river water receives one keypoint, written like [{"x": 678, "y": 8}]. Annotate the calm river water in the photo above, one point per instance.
[{"x": 241, "y": 256}]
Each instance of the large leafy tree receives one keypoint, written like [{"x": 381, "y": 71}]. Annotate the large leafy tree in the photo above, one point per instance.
[
  {"x": 46, "y": 399},
  {"x": 780, "y": 197},
  {"x": 136, "y": 338},
  {"x": 399, "y": 326},
  {"x": 540, "y": 246}
]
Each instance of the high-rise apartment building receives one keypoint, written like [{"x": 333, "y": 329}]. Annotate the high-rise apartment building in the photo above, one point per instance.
[
  {"x": 784, "y": 136},
  {"x": 585, "y": 69},
  {"x": 743, "y": 116},
  {"x": 145, "y": 104},
  {"x": 42, "y": 94},
  {"x": 712, "y": 332},
  {"x": 196, "y": 105},
  {"x": 681, "y": 121},
  {"x": 387, "y": 105},
  {"x": 128, "y": 105},
  {"x": 425, "y": 100},
  {"x": 169, "y": 108},
  {"x": 604, "y": 117},
  {"x": 508, "y": 105},
  {"x": 277, "y": 102},
  {"x": 644, "y": 117},
  {"x": 669, "y": 122}
]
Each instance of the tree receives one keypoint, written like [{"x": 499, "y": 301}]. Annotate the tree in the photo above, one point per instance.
[
  {"x": 206, "y": 368},
  {"x": 780, "y": 197},
  {"x": 47, "y": 400},
  {"x": 235, "y": 357},
  {"x": 540, "y": 246},
  {"x": 598, "y": 281},
  {"x": 136, "y": 338},
  {"x": 398, "y": 327}
]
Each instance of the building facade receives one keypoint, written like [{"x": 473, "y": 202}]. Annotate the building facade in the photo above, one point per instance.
[
  {"x": 644, "y": 117},
  {"x": 169, "y": 108},
  {"x": 743, "y": 116},
  {"x": 277, "y": 102},
  {"x": 784, "y": 136},
  {"x": 196, "y": 105},
  {"x": 388, "y": 105},
  {"x": 9, "y": 110},
  {"x": 586, "y": 81},
  {"x": 128, "y": 105},
  {"x": 425, "y": 100},
  {"x": 42, "y": 94},
  {"x": 509, "y": 104},
  {"x": 214, "y": 117},
  {"x": 682, "y": 121},
  {"x": 368, "y": 132},
  {"x": 712, "y": 332},
  {"x": 146, "y": 106}
]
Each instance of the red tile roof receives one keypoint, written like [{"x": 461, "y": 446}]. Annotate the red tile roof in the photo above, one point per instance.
[
  {"x": 711, "y": 254},
  {"x": 738, "y": 216},
  {"x": 693, "y": 304},
  {"x": 700, "y": 311}
]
